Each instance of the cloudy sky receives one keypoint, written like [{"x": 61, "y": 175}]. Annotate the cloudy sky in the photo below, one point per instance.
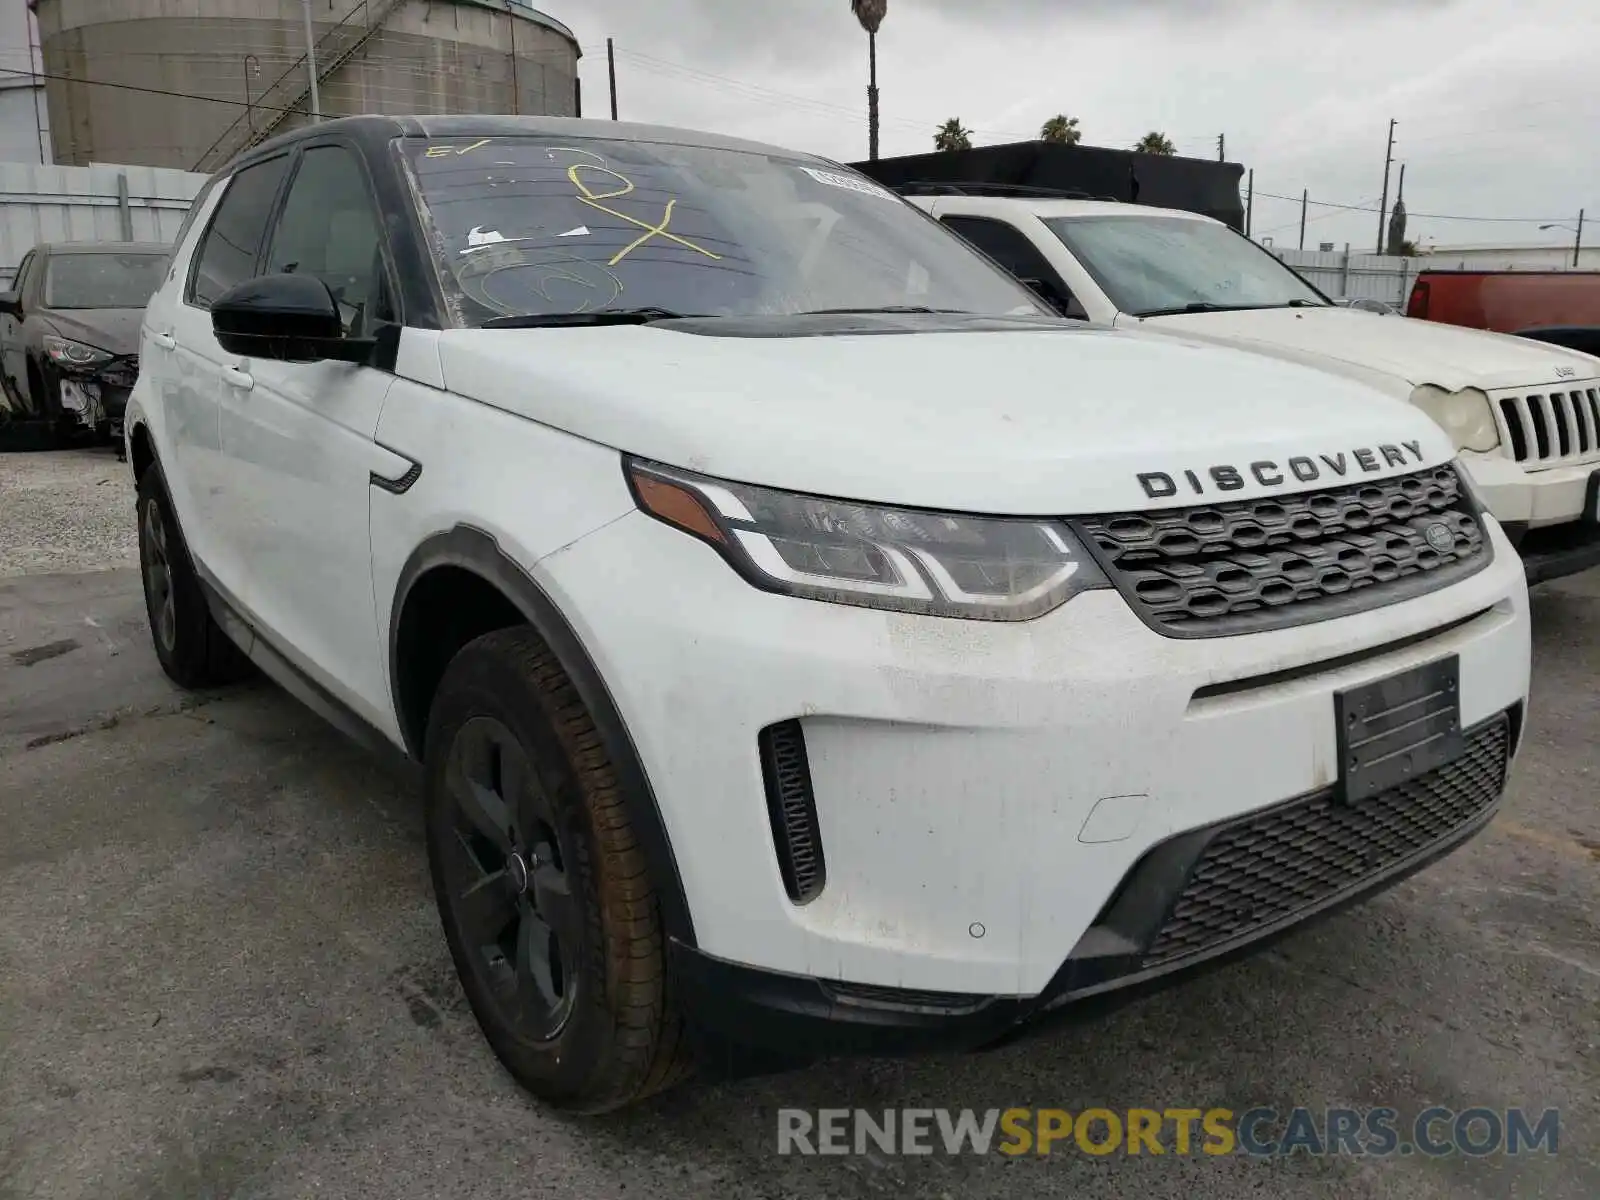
[{"x": 1496, "y": 101}]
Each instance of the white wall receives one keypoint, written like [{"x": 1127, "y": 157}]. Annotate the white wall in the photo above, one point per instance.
[
  {"x": 88, "y": 204},
  {"x": 1514, "y": 258},
  {"x": 1343, "y": 275}
]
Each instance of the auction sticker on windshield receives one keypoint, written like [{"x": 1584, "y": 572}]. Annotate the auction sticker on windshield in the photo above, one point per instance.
[{"x": 849, "y": 182}]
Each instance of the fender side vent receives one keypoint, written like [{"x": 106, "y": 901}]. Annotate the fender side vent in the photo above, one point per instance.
[{"x": 792, "y": 808}]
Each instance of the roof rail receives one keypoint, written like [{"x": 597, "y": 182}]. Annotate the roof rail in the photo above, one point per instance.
[{"x": 931, "y": 188}]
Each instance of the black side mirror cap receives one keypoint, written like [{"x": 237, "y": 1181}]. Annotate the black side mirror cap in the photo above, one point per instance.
[
  {"x": 290, "y": 318},
  {"x": 11, "y": 304}
]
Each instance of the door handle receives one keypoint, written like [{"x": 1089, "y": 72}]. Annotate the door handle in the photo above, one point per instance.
[
  {"x": 165, "y": 341},
  {"x": 237, "y": 378}
]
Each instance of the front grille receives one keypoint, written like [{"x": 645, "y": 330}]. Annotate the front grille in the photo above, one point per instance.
[
  {"x": 1220, "y": 569},
  {"x": 1297, "y": 856},
  {"x": 120, "y": 373},
  {"x": 1552, "y": 427}
]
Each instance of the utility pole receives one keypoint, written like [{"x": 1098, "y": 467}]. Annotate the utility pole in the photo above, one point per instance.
[
  {"x": 1577, "y": 242},
  {"x": 1383, "y": 204},
  {"x": 1250, "y": 203},
  {"x": 516, "y": 84},
  {"x": 35, "y": 65},
  {"x": 872, "y": 96},
  {"x": 311, "y": 62},
  {"x": 1222, "y": 147},
  {"x": 611, "y": 70},
  {"x": 1305, "y": 198}
]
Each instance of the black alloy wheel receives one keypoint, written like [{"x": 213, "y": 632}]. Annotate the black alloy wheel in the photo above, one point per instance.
[{"x": 513, "y": 902}]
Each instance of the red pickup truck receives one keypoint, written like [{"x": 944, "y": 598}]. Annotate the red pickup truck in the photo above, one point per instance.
[{"x": 1562, "y": 307}]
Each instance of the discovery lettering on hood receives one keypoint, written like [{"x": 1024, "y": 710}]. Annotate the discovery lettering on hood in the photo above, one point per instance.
[{"x": 1302, "y": 468}]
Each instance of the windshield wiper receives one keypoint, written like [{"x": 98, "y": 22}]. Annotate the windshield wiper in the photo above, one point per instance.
[
  {"x": 1208, "y": 306},
  {"x": 887, "y": 308},
  {"x": 600, "y": 316}
]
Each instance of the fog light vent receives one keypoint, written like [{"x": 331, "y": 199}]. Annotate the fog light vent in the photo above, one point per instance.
[{"x": 792, "y": 808}]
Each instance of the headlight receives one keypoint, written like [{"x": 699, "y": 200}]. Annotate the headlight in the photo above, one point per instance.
[
  {"x": 69, "y": 353},
  {"x": 1465, "y": 415},
  {"x": 940, "y": 564}
]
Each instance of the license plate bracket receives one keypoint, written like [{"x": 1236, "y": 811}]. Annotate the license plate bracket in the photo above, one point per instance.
[{"x": 1392, "y": 730}]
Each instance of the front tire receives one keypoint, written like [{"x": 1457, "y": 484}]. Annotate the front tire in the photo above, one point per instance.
[
  {"x": 543, "y": 891},
  {"x": 193, "y": 650}
]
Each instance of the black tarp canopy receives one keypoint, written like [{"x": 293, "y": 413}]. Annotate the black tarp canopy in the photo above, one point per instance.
[{"x": 1166, "y": 181}]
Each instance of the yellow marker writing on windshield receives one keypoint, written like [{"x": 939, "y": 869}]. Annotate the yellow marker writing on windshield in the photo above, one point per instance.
[
  {"x": 593, "y": 200},
  {"x": 447, "y": 151}
]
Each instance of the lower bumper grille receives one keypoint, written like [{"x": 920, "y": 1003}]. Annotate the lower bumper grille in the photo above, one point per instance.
[{"x": 1269, "y": 866}]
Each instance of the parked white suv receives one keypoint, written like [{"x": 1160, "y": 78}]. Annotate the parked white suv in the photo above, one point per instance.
[
  {"x": 1525, "y": 415},
  {"x": 863, "y": 658}
]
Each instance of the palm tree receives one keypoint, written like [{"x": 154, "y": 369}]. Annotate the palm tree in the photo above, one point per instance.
[
  {"x": 871, "y": 13},
  {"x": 1155, "y": 143},
  {"x": 1062, "y": 129},
  {"x": 952, "y": 135}
]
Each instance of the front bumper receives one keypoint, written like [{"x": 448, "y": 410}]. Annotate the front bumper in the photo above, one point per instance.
[
  {"x": 983, "y": 791},
  {"x": 739, "y": 1009},
  {"x": 1549, "y": 515},
  {"x": 97, "y": 399}
]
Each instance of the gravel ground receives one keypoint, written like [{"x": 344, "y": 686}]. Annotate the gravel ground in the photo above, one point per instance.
[
  {"x": 66, "y": 510},
  {"x": 222, "y": 975}
]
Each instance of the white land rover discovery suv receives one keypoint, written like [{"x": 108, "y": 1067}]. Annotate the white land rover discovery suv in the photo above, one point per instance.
[
  {"x": 1525, "y": 415},
  {"x": 810, "y": 644}
]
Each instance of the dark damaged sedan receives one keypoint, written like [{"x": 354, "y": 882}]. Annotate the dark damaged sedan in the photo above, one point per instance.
[{"x": 69, "y": 332}]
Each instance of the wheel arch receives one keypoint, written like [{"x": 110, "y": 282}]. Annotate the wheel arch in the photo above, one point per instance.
[
  {"x": 470, "y": 558},
  {"x": 141, "y": 448}
]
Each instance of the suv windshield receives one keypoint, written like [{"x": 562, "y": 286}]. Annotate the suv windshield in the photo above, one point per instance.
[
  {"x": 527, "y": 225},
  {"x": 102, "y": 280},
  {"x": 1155, "y": 265}
]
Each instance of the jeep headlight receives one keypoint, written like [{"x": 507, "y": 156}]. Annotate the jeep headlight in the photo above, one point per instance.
[
  {"x": 908, "y": 560},
  {"x": 68, "y": 353},
  {"x": 1466, "y": 416}
]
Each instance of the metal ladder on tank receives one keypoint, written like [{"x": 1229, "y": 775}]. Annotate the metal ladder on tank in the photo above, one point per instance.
[{"x": 289, "y": 93}]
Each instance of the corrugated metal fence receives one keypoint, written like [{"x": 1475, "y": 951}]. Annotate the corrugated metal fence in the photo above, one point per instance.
[
  {"x": 88, "y": 204},
  {"x": 1343, "y": 275}
]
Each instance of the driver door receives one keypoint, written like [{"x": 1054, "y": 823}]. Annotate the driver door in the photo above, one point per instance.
[{"x": 297, "y": 441}]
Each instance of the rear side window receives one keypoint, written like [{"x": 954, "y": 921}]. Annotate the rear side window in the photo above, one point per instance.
[{"x": 232, "y": 241}]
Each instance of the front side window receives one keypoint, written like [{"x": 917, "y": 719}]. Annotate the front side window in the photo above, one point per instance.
[
  {"x": 102, "y": 280},
  {"x": 329, "y": 228},
  {"x": 530, "y": 226},
  {"x": 1152, "y": 266},
  {"x": 233, "y": 240},
  {"x": 1010, "y": 247}
]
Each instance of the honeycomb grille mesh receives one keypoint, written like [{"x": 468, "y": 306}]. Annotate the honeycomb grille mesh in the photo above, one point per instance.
[
  {"x": 1299, "y": 855},
  {"x": 1219, "y": 569}
]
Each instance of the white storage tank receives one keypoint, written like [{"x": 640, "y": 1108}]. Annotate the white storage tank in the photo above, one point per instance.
[{"x": 190, "y": 83}]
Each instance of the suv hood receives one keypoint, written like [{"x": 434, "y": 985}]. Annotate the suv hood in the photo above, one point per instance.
[
  {"x": 115, "y": 330},
  {"x": 1059, "y": 421},
  {"x": 1417, "y": 352}
]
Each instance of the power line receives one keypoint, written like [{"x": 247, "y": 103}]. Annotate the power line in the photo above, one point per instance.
[
  {"x": 1428, "y": 216},
  {"x": 661, "y": 66},
  {"x": 149, "y": 91}
]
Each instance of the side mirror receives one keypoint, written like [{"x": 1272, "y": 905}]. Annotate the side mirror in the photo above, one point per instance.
[
  {"x": 290, "y": 318},
  {"x": 11, "y": 304}
]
